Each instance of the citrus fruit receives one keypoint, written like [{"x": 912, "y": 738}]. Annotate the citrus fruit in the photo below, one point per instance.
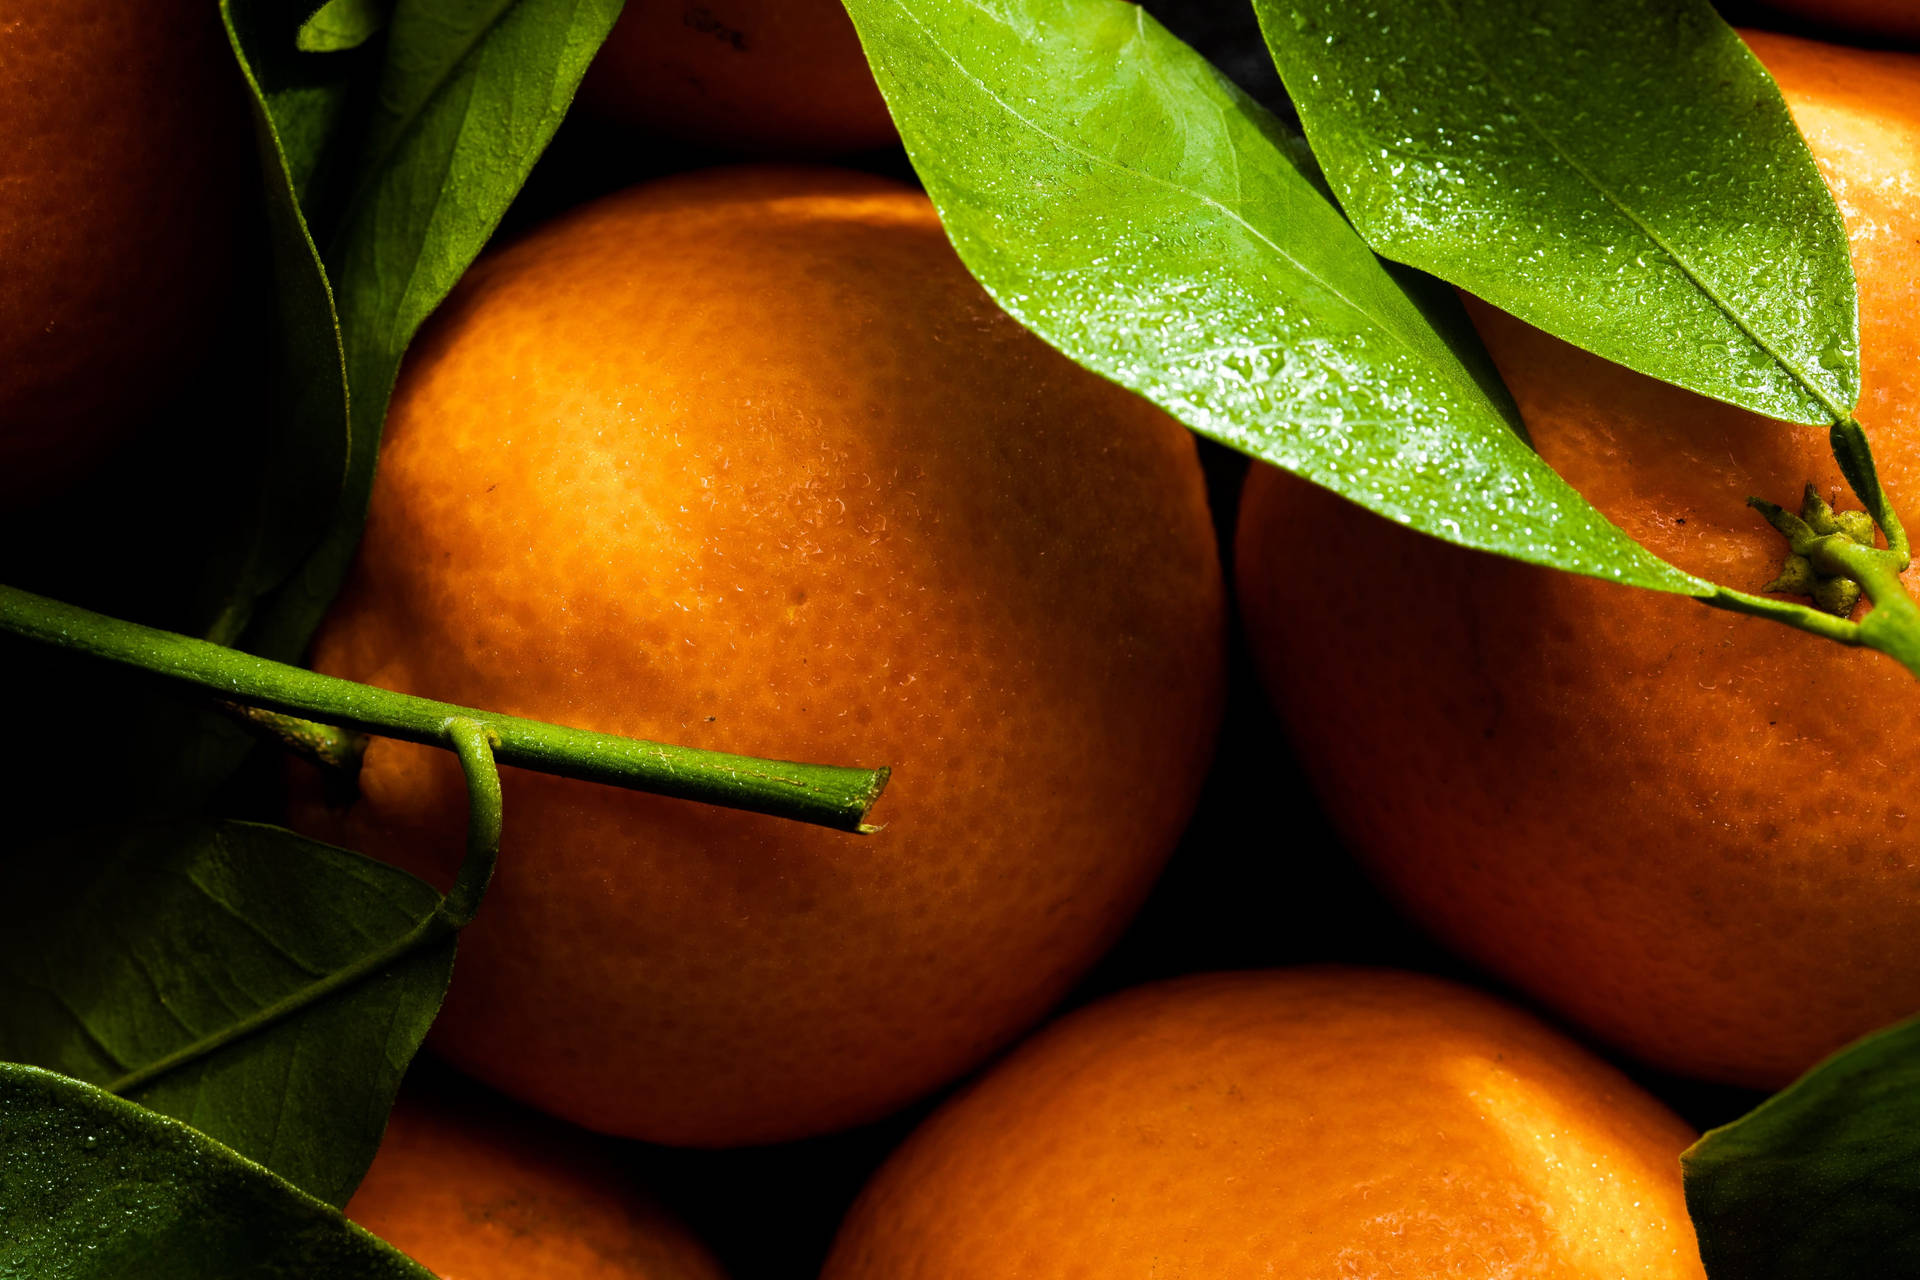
[
  {"x": 745, "y": 460},
  {"x": 755, "y": 75},
  {"x": 476, "y": 1193},
  {"x": 1685, "y": 829},
  {"x": 1303, "y": 1123},
  {"x": 1897, "y": 19},
  {"x": 118, "y": 201}
]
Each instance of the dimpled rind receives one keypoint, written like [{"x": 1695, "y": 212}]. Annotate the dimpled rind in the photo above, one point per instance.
[
  {"x": 745, "y": 460},
  {"x": 761, "y": 76},
  {"x": 120, "y": 184},
  {"x": 1308, "y": 1124},
  {"x": 474, "y": 1192},
  {"x": 1687, "y": 830}
]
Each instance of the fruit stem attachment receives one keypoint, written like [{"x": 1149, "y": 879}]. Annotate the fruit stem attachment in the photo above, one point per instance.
[
  {"x": 1832, "y": 553},
  {"x": 825, "y": 795},
  {"x": 474, "y": 743}
]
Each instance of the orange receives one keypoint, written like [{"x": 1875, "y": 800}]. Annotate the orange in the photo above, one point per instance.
[
  {"x": 1897, "y": 19},
  {"x": 1300, "y": 1124},
  {"x": 746, "y": 460},
  {"x": 476, "y": 1193},
  {"x": 755, "y": 75},
  {"x": 1685, "y": 829},
  {"x": 119, "y": 186}
]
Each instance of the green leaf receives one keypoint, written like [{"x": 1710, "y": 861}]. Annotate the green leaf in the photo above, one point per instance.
[
  {"x": 125, "y": 950},
  {"x": 1133, "y": 208},
  {"x": 189, "y": 523},
  {"x": 318, "y": 103},
  {"x": 96, "y": 1188},
  {"x": 1625, "y": 176},
  {"x": 307, "y": 466},
  {"x": 340, "y": 25},
  {"x": 1822, "y": 1180},
  {"x": 469, "y": 95}
]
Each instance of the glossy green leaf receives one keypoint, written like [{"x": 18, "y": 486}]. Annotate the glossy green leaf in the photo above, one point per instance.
[
  {"x": 1228, "y": 36},
  {"x": 93, "y": 1187},
  {"x": 1132, "y": 207},
  {"x": 1821, "y": 1181},
  {"x": 469, "y": 94},
  {"x": 1625, "y": 176},
  {"x": 122, "y": 950},
  {"x": 339, "y": 25}
]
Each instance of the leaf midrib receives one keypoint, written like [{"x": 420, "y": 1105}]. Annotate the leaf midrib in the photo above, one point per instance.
[
  {"x": 407, "y": 125},
  {"x": 1393, "y": 330},
  {"x": 1626, "y": 211}
]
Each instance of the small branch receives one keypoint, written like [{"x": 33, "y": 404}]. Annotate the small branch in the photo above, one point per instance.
[
  {"x": 826, "y": 795},
  {"x": 1797, "y": 616},
  {"x": 337, "y": 752}
]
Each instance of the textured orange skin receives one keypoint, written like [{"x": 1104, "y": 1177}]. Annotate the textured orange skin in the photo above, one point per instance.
[
  {"x": 1899, "y": 19},
  {"x": 745, "y": 460},
  {"x": 1306, "y": 1124},
  {"x": 1687, "y": 830},
  {"x": 119, "y": 179},
  {"x": 757, "y": 75},
  {"x": 483, "y": 1195}
]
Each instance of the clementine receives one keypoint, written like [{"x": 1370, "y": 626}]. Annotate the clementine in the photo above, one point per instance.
[
  {"x": 755, "y": 75},
  {"x": 1685, "y": 829},
  {"x": 475, "y": 1193},
  {"x": 119, "y": 187},
  {"x": 746, "y": 460},
  {"x": 1302, "y": 1123}
]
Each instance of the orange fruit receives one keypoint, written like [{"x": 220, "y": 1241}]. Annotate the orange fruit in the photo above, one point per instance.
[
  {"x": 755, "y": 75},
  {"x": 119, "y": 186},
  {"x": 746, "y": 460},
  {"x": 1897, "y": 19},
  {"x": 476, "y": 1193},
  {"x": 1301, "y": 1123},
  {"x": 1685, "y": 829}
]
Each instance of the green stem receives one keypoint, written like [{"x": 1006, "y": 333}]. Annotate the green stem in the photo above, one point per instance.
[
  {"x": 1892, "y": 626},
  {"x": 826, "y": 795},
  {"x": 336, "y": 751},
  {"x": 1798, "y": 616},
  {"x": 472, "y": 742},
  {"x": 1850, "y": 449}
]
